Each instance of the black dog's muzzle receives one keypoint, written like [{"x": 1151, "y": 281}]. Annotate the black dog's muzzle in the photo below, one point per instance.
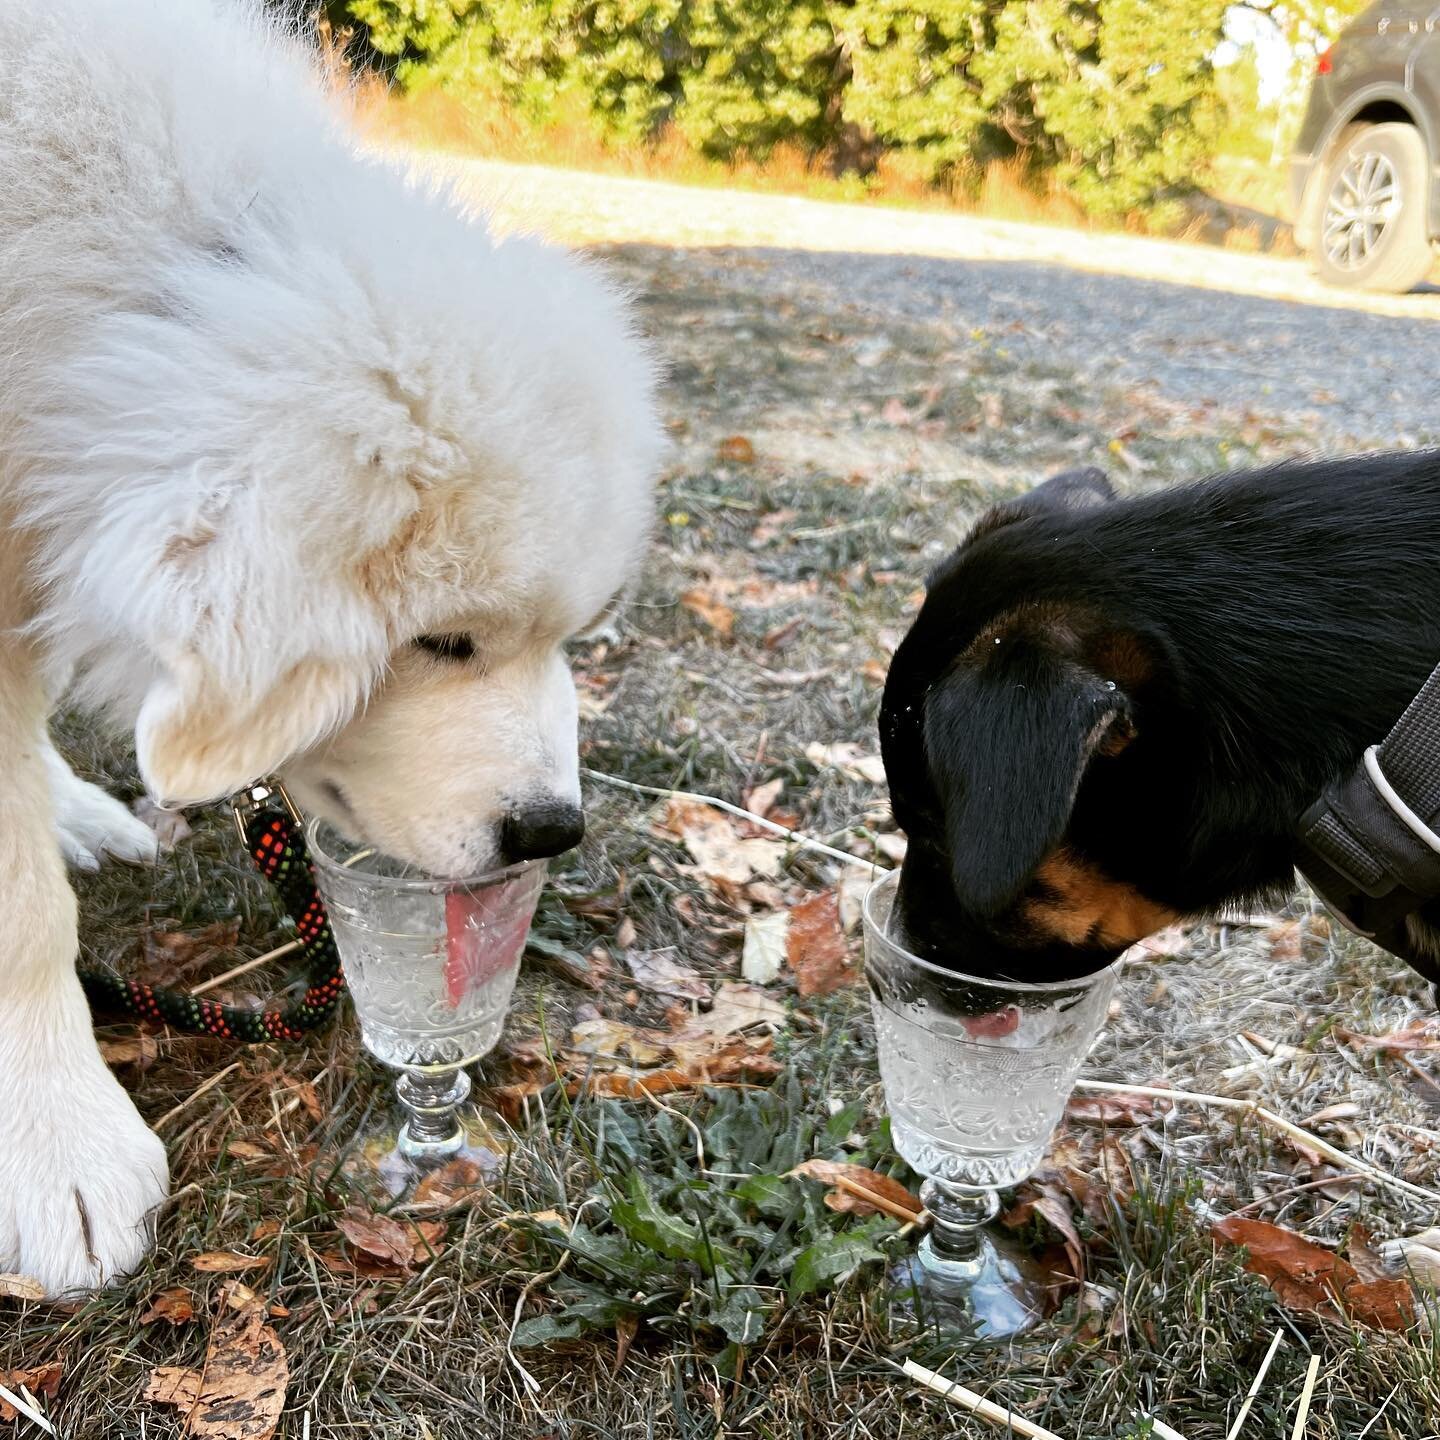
[{"x": 1369, "y": 846}]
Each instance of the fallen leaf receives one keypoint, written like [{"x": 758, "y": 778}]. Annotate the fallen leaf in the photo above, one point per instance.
[
  {"x": 851, "y": 889},
  {"x": 1307, "y": 1278},
  {"x": 660, "y": 972},
  {"x": 20, "y": 1287},
  {"x": 737, "y": 449},
  {"x": 1419, "y": 1254},
  {"x": 224, "y": 1262},
  {"x": 720, "y": 852},
  {"x": 605, "y": 1039},
  {"x": 816, "y": 950},
  {"x": 713, "y": 611},
  {"x": 138, "y": 1049},
  {"x": 837, "y": 1173},
  {"x": 761, "y": 800},
  {"x": 1343, "y": 1110},
  {"x": 763, "y": 954},
  {"x": 737, "y": 1007},
  {"x": 1046, "y": 1199},
  {"x": 892, "y": 846},
  {"x": 849, "y": 759},
  {"x": 1420, "y": 1035},
  {"x": 41, "y": 1380},
  {"x": 264, "y": 1230},
  {"x": 172, "y": 954},
  {"x": 457, "y": 1182},
  {"x": 246, "y": 1150},
  {"x": 1115, "y": 1109},
  {"x": 741, "y": 1060},
  {"x": 381, "y": 1236},
  {"x": 177, "y": 1306},
  {"x": 239, "y": 1393}
]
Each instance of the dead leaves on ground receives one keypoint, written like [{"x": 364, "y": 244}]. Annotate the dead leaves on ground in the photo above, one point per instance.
[
  {"x": 1308, "y": 1278},
  {"x": 175, "y": 1306},
  {"x": 42, "y": 1380},
  {"x": 721, "y": 853},
  {"x": 239, "y": 1392},
  {"x": 856, "y": 1190}
]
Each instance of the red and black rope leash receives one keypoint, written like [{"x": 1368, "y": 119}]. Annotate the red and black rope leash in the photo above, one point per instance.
[{"x": 270, "y": 829}]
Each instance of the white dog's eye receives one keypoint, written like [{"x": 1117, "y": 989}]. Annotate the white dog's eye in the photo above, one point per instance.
[{"x": 448, "y": 647}]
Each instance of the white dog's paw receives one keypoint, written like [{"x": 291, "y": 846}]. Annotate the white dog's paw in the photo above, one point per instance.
[
  {"x": 80, "y": 1179},
  {"x": 91, "y": 824}
]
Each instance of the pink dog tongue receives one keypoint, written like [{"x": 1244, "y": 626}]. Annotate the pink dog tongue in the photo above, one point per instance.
[
  {"x": 993, "y": 1027},
  {"x": 481, "y": 939}
]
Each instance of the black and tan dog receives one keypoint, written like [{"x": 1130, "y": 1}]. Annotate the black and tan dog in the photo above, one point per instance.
[{"x": 1111, "y": 713}]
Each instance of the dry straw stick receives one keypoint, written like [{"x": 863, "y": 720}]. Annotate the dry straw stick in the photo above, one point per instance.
[
  {"x": 1161, "y": 1431},
  {"x": 977, "y": 1404},
  {"x": 28, "y": 1411},
  {"x": 1298, "y": 1433},
  {"x": 1277, "y": 1122},
  {"x": 245, "y": 968},
  {"x": 1256, "y": 1383}
]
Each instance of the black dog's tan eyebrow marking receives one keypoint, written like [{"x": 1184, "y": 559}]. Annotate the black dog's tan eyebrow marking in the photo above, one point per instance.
[{"x": 1074, "y": 901}]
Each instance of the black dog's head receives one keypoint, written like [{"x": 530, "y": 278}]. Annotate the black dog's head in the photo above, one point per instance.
[{"x": 1006, "y": 701}]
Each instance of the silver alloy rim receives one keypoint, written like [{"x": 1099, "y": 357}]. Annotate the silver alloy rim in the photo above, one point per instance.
[{"x": 1363, "y": 201}]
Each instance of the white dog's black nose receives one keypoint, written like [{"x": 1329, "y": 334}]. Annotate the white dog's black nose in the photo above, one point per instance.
[{"x": 538, "y": 831}]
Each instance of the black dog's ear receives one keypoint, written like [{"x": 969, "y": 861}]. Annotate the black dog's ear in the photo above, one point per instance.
[
  {"x": 1070, "y": 490},
  {"x": 1007, "y": 743}
]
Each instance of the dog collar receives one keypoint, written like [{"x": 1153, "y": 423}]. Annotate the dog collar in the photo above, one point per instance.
[{"x": 1369, "y": 845}]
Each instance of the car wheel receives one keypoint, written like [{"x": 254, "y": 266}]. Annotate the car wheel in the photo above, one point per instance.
[{"x": 1374, "y": 231}]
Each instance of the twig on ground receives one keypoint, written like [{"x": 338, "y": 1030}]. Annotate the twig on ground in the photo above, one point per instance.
[
  {"x": 1255, "y": 1384},
  {"x": 1303, "y": 1414},
  {"x": 28, "y": 1411},
  {"x": 794, "y": 836},
  {"x": 977, "y": 1404},
  {"x": 1161, "y": 1431},
  {"x": 245, "y": 968},
  {"x": 194, "y": 1095},
  {"x": 1277, "y": 1122}
]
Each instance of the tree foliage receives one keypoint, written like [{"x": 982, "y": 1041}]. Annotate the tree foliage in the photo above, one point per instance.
[{"x": 1117, "y": 96}]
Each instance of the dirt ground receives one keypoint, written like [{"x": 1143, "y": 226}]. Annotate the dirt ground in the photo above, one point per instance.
[{"x": 646, "y": 1264}]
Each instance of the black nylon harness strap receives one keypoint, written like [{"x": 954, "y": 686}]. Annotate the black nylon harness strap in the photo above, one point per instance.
[{"x": 1370, "y": 846}]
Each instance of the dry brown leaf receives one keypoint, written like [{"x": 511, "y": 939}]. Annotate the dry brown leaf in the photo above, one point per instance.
[
  {"x": 170, "y": 955},
  {"x": 875, "y": 671},
  {"x": 721, "y": 853},
  {"x": 816, "y": 948},
  {"x": 849, "y": 759},
  {"x": 710, "y": 610},
  {"x": 246, "y": 1150},
  {"x": 603, "y": 1039},
  {"x": 1342, "y": 1110},
  {"x": 239, "y": 1393},
  {"x": 20, "y": 1287},
  {"x": 1115, "y": 1109},
  {"x": 766, "y": 939},
  {"x": 625, "y": 1330},
  {"x": 225, "y": 1262},
  {"x": 1285, "y": 938},
  {"x": 837, "y": 1173},
  {"x": 659, "y": 971},
  {"x": 738, "y": 1007},
  {"x": 761, "y": 800},
  {"x": 1047, "y": 1199},
  {"x": 40, "y": 1380},
  {"x": 380, "y": 1236},
  {"x": 1421, "y": 1035},
  {"x": 736, "y": 449},
  {"x": 1307, "y": 1278},
  {"x": 138, "y": 1049},
  {"x": 741, "y": 1060},
  {"x": 176, "y": 1305},
  {"x": 457, "y": 1182}
]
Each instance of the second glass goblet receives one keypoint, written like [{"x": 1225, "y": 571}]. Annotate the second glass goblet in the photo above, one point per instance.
[
  {"x": 431, "y": 966},
  {"x": 976, "y": 1075}
]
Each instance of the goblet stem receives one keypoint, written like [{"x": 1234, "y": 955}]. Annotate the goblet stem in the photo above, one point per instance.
[
  {"x": 958, "y": 1218},
  {"x": 432, "y": 1129}
]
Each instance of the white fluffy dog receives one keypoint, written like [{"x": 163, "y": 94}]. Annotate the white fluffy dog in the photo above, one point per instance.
[{"x": 299, "y": 472}]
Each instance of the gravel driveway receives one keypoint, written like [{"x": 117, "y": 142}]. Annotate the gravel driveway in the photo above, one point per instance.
[{"x": 1250, "y": 335}]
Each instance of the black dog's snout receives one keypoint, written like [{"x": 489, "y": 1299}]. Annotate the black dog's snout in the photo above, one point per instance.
[{"x": 535, "y": 832}]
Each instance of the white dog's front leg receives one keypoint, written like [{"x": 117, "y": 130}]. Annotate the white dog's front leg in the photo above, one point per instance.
[
  {"x": 91, "y": 824},
  {"x": 80, "y": 1174}
]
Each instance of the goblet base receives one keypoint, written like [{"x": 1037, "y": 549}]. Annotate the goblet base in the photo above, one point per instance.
[{"x": 993, "y": 1295}]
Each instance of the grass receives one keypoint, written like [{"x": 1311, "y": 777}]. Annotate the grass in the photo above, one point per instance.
[{"x": 642, "y": 1260}]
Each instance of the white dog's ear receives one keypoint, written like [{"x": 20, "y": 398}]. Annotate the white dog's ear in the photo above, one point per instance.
[{"x": 198, "y": 741}]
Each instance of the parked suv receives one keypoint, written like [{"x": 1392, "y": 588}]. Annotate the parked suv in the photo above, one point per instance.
[{"x": 1364, "y": 181}]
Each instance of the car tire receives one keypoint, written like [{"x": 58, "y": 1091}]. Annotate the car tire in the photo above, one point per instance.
[{"x": 1374, "y": 226}]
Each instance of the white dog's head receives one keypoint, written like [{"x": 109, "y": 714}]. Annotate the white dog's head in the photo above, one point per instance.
[{"x": 330, "y": 498}]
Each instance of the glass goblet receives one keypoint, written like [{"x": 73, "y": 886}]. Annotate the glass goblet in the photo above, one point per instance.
[
  {"x": 976, "y": 1075},
  {"x": 431, "y": 966}
]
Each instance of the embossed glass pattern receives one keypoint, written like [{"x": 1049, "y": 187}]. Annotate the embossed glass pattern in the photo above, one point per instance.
[
  {"x": 431, "y": 964},
  {"x": 976, "y": 1072}
]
